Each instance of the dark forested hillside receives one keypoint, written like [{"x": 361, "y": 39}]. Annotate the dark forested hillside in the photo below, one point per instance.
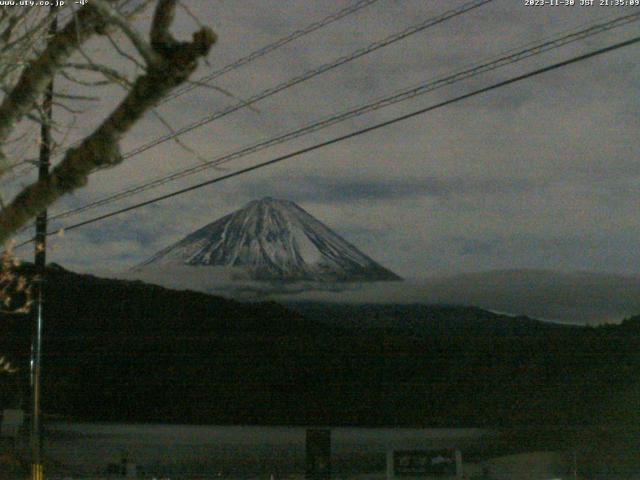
[{"x": 126, "y": 351}]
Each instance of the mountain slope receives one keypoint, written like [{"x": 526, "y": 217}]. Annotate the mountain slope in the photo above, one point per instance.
[
  {"x": 273, "y": 240},
  {"x": 127, "y": 351}
]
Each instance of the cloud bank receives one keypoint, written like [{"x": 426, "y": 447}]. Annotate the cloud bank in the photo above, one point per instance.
[{"x": 578, "y": 298}]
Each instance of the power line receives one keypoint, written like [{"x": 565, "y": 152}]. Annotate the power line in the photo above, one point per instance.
[
  {"x": 312, "y": 27},
  {"x": 63, "y": 20},
  {"x": 449, "y": 14},
  {"x": 341, "y": 138},
  {"x": 423, "y": 88},
  {"x": 308, "y": 75},
  {"x": 428, "y": 23}
]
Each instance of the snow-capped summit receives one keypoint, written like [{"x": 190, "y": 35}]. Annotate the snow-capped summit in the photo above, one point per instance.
[{"x": 273, "y": 240}]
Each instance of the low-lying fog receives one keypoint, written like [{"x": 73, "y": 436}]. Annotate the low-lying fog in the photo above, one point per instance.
[{"x": 581, "y": 298}]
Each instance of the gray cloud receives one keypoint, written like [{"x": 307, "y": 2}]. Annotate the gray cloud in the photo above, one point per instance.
[
  {"x": 331, "y": 190},
  {"x": 542, "y": 174}
]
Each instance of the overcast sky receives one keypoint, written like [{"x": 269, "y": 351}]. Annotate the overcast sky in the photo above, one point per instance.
[{"x": 542, "y": 174}]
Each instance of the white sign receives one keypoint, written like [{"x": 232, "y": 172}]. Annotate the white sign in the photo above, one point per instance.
[{"x": 424, "y": 464}]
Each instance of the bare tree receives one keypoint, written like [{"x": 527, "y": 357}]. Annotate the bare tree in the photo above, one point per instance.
[{"x": 29, "y": 59}]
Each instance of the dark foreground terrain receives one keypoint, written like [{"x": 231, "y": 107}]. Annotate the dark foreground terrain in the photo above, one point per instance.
[
  {"x": 128, "y": 351},
  {"x": 131, "y": 352}
]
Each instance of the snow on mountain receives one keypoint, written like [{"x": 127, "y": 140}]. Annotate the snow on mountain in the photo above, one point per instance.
[{"x": 272, "y": 240}]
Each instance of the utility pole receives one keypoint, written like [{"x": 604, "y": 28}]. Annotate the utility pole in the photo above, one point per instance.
[{"x": 39, "y": 280}]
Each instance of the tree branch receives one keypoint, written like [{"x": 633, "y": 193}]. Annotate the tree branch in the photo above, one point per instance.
[
  {"x": 113, "y": 16},
  {"x": 178, "y": 60},
  {"x": 36, "y": 76}
]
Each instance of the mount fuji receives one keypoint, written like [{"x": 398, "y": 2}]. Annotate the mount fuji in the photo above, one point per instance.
[{"x": 272, "y": 240}]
